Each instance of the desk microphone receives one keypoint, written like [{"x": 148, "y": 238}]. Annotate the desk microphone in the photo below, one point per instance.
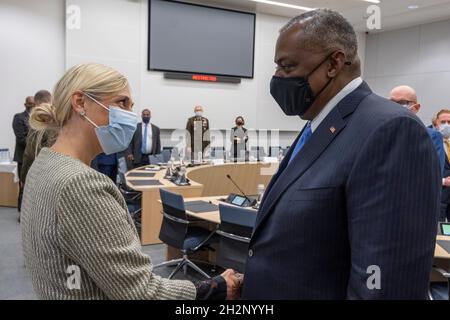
[{"x": 252, "y": 202}]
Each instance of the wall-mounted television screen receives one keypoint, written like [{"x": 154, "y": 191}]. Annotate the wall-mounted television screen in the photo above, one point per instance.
[{"x": 192, "y": 38}]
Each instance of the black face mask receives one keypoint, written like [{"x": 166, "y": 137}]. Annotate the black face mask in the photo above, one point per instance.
[
  {"x": 146, "y": 120},
  {"x": 294, "y": 95}
]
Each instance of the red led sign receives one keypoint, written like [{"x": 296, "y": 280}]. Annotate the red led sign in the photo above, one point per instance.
[{"x": 200, "y": 77}]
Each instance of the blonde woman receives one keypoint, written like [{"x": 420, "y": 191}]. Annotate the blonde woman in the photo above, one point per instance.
[{"x": 78, "y": 239}]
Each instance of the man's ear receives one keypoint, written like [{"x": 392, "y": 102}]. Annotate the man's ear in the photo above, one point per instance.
[
  {"x": 337, "y": 62},
  {"x": 78, "y": 101},
  {"x": 417, "y": 107}
]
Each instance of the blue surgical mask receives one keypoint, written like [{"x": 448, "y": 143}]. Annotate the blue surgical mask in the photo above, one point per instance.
[
  {"x": 445, "y": 130},
  {"x": 117, "y": 135}
]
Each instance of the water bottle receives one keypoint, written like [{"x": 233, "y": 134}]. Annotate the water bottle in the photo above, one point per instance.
[{"x": 169, "y": 170}]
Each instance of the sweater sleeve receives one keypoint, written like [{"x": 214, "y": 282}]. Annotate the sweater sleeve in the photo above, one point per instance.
[{"x": 95, "y": 231}]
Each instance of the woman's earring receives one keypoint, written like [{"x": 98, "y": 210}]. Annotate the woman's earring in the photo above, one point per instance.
[{"x": 83, "y": 113}]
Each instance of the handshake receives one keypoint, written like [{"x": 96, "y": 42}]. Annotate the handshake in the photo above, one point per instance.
[{"x": 234, "y": 282}]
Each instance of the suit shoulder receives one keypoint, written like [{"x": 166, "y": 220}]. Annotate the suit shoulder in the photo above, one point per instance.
[
  {"x": 434, "y": 133},
  {"x": 376, "y": 109},
  {"x": 18, "y": 116}
]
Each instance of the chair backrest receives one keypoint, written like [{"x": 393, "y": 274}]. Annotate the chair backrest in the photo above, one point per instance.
[
  {"x": 122, "y": 166},
  {"x": 258, "y": 152},
  {"x": 236, "y": 220},
  {"x": 174, "y": 226},
  {"x": 275, "y": 151},
  {"x": 153, "y": 159},
  {"x": 122, "y": 180},
  {"x": 159, "y": 157},
  {"x": 235, "y": 229},
  {"x": 218, "y": 152},
  {"x": 166, "y": 155}
]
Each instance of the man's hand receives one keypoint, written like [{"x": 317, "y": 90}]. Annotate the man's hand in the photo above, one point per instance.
[
  {"x": 130, "y": 157},
  {"x": 234, "y": 284}
]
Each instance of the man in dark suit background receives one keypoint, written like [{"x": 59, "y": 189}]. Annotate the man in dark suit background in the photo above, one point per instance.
[
  {"x": 442, "y": 124},
  {"x": 198, "y": 137},
  {"x": 406, "y": 97},
  {"x": 352, "y": 211},
  {"x": 21, "y": 126},
  {"x": 146, "y": 141}
]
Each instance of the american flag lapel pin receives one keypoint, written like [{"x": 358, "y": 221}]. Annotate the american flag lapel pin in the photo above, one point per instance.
[{"x": 332, "y": 129}]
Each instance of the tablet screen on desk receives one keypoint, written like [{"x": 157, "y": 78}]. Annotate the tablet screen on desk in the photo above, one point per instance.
[
  {"x": 238, "y": 200},
  {"x": 145, "y": 183},
  {"x": 445, "y": 229},
  {"x": 141, "y": 174}
]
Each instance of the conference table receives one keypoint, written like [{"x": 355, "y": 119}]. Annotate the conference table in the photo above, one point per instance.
[
  {"x": 441, "y": 262},
  {"x": 9, "y": 185},
  {"x": 207, "y": 180}
]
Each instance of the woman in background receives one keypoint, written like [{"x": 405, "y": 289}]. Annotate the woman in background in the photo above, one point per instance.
[
  {"x": 239, "y": 139},
  {"x": 78, "y": 238}
]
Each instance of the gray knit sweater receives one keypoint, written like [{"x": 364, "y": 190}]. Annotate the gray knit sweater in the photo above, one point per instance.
[{"x": 79, "y": 241}]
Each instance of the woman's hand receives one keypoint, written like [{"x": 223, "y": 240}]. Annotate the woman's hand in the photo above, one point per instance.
[{"x": 234, "y": 282}]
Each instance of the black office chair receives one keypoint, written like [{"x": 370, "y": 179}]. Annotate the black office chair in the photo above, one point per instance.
[
  {"x": 258, "y": 152},
  {"x": 235, "y": 229},
  {"x": 134, "y": 201},
  {"x": 218, "y": 153},
  {"x": 275, "y": 151},
  {"x": 157, "y": 159},
  {"x": 153, "y": 159},
  {"x": 165, "y": 154},
  {"x": 176, "y": 231}
]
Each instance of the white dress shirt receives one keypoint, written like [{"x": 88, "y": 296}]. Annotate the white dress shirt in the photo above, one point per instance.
[
  {"x": 148, "y": 147},
  {"x": 350, "y": 87}
]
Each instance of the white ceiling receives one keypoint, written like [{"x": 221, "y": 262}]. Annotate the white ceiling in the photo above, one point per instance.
[{"x": 394, "y": 13}]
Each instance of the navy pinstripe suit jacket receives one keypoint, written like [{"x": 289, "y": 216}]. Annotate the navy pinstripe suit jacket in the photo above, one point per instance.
[{"x": 363, "y": 194}]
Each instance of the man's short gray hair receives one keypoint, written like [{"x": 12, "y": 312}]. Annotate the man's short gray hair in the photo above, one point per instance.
[{"x": 326, "y": 30}]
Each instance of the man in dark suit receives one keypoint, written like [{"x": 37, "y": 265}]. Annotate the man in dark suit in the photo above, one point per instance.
[
  {"x": 443, "y": 125},
  {"x": 198, "y": 138},
  {"x": 352, "y": 211},
  {"x": 146, "y": 141},
  {"x": 407, "y": 98},
  {"x": 20, "y": 126}
]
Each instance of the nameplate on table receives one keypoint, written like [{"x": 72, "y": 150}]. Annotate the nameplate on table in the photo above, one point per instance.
[
  {"x": 141, "y": 174},
  {"x": 145, "y": 183},
  {"x": 200, "y": 206}
]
